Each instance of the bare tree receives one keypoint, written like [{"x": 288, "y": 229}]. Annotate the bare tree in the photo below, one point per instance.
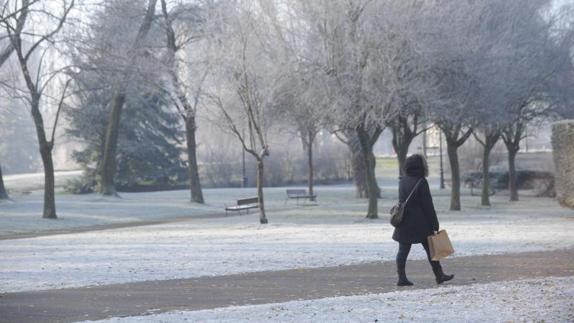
[
  {"x": 453, "y": 108},
  {"x": 407, "y": 72},
  {"x": 107, "y": 170},
  {"x": 453, "y": 111},
  {"x": 486, "y": 63},
  {"x": 301, "y": 104},
  {"x": 303, "y": 94},
  {"x": 7, "y": 51},
  {"x": 542, "y": 51},
  {"x": 358, "y": 167},
  {"x": 175, "y": 43},
  {"x": 247, "y": 74},
  {"x": 405, "y": 128},
  {"x": 512, "y": 71},
  {"x": 488, "y": 135},
  {"x": 345, "y": 49},
  {"x": 26, "y": 45}
]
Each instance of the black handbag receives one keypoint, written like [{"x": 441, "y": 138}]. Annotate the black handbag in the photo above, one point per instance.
[{"x": 398, "y": 210}]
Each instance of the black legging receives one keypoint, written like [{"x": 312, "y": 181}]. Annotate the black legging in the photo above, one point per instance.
[{"x": 403, "y": 253}]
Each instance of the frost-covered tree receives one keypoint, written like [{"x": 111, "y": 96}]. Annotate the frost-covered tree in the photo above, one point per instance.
[
  {"x": 303, "y": 94},
  {"x": 377, "y": 72},
  {"x": 516, "y": 56},
  {"x": 490, "y": 67},
  {"x": 5, "y": 53},
  {"x": 182, "y": 25},
  {"x": 10, "y": 12},
  {"x": 358, "y": 167},
  {"x": 125, "y": 51},
  {"x": 448, "y": 42},
  {"x": 343, "y": 48},
  {"x": 302, "y": 105},
  {"x": 407, "y": 74},
  {"x": 147, "y": 138},
  {"x": 246, "y": 75},
  {"x": 489, "y": 59},
  {"x": 28, "y": 42},
  {"x": 542, "y": 52}
]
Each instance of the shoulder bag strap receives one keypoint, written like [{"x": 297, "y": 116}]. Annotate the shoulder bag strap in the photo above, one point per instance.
[{"x": 413, "y": 190}]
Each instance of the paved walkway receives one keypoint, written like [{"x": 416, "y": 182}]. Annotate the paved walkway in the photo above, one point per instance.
[{"x": 67, "y": 305}]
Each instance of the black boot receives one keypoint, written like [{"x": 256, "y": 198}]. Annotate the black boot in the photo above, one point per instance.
[
  {"x": 401, "y": 270},
  {"x": 444, "y": 278},
  {"x": 440, "y": 276}
]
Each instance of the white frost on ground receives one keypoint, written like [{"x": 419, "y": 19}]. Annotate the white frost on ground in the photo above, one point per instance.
[
  {"x": 23, "y": 214},
  {"x": 24, "y": 183},
  {"x": 535, "y": 300},
  {"x": 333, "y": 233}
]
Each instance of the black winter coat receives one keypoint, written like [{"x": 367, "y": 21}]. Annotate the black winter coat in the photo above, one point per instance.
[{"x": 420, "y": 217}]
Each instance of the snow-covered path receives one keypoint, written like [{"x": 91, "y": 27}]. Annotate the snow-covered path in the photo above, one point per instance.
[
  {"x": 195, "y": 294},
  {"x": 333, "y": 233},
  {"x": 534, "y": 300}
]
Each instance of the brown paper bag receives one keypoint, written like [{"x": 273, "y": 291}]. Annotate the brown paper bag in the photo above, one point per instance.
[{"x": 440, "y": 246}]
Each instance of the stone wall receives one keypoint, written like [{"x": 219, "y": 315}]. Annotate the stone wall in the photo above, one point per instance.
[{"x": 563, "y": 151}]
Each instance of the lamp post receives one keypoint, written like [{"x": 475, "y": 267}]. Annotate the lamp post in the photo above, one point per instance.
[
  {"x": 243, "y": 175},
  {"x": 425, "y": 140},
  {"x": 440, "y": 158}
]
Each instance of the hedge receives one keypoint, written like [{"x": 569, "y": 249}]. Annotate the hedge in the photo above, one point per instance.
[{"x": 563, "y": 153}]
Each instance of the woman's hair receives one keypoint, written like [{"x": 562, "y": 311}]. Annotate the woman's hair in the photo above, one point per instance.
[
  {"x": 425, "y": 165},
  {"x": 416, "y": 165}
]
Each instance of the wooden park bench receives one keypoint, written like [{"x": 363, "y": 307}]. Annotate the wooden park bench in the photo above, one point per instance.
[
  {"x": 243, "y": 204},
  {"x": 299, "y": 194}
]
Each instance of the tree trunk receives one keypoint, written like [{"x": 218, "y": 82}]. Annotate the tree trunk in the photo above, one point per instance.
[
  {"x": 49, "y": 182},
  {"x": 311, "y": 179},
  {"x": 366, "y": 142},
  {"x": 372, "y": 187},
  {"x": 189, "y": 116},
  {"x": 46, "y": 154},
  {"x": 491, "y": 137},
  {"x": 485, "y": 196},
  {"x": 512, "y": 182},
  {"x": 455, "y": 138},
  {"x": 3, "y": 192},
  {"x": 402, "y": 152},
  {"x": 511, "y": 136},
  {"x": 359, "y": 174},
  {"x": 373, "y": 174},
  {"x": 262, "y": 217},
  {"x": 194, "y": 183},
  {"x": 108, "y": 167},
  {"x": 403, "y": 136},
  {"x": 452, "y": 150}
]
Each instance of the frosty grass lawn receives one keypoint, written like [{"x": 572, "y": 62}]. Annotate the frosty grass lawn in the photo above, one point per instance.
[
  {"x": 536, "y": 300},
  {"x": 333, "y": 233}
]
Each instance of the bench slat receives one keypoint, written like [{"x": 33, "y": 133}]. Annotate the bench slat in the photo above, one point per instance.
[
  {"x": 249, "y": 200},
  {"x": 299, "y": 194},
  {"x": 242, "y": 207},
  {"x": 244, "y": 204}
]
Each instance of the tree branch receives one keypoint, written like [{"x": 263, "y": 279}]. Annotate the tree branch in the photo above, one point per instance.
[{"x": 60, "y": 105}]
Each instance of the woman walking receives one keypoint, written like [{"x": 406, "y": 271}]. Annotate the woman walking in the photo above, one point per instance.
[{"x": 420, "y": 220}]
